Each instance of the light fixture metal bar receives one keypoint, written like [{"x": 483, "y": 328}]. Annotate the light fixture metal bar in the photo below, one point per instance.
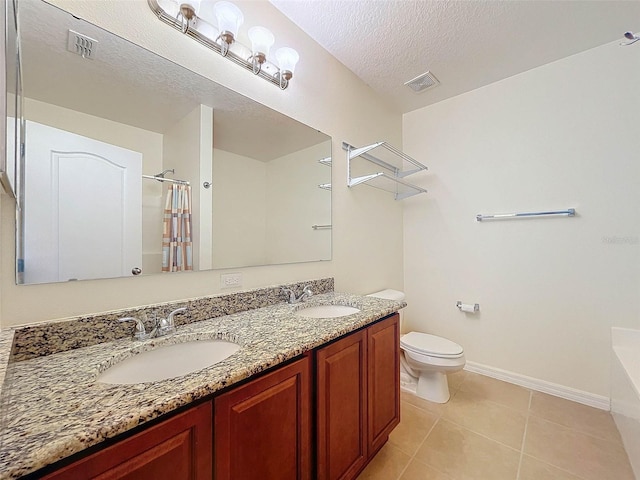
[{"x": 207, "y": 42}]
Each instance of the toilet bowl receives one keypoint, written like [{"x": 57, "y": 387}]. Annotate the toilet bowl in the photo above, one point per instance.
[
  {"x": 429, "y": 358},
  {"x": 426, "y": 358}
]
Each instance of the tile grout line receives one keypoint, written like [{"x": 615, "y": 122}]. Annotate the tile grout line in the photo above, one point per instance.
[
  {"x": 524, "y": 435},
  {"x": 413, "y": 457},
  {"x": 577, "y": 430},
  {"x": 483, "y": 435},
  {"x": 568, "y": 472}
]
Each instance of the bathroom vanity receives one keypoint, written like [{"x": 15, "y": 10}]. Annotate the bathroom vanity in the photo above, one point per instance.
[{"x": 302, "y": 398}]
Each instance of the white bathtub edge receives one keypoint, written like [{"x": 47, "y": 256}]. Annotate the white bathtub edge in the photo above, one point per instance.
[
  {"x": 625, "y": 390},
  {"x": 625, "y": 337}
]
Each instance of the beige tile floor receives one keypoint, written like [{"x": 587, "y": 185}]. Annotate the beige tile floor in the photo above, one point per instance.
[{"x": 493, "y": 430}]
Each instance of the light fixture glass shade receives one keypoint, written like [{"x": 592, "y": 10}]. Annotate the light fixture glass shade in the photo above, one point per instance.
[
  {"x": 206, "y": 29},
  {"x": 171, "y": 7},
  {"x": 229, "y": 17},
  {"x": 189, "y": 7},
  {"x": 261, "y": 40},
  {"x": 287, "y": 59}
]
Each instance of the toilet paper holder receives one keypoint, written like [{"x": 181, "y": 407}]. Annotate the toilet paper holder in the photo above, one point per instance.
[{"x": 465, "y": 307}]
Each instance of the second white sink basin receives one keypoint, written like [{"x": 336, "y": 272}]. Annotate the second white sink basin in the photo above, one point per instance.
[
  {"x": 168, "y": 361},
  {"x": 327, "y": 311}
]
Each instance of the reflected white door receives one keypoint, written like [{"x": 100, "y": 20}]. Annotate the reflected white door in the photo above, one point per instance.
[{"x": 83, "y": 207}]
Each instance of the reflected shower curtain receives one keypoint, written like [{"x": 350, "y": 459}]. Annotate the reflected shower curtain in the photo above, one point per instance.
[{"x": 176, "y": 236}]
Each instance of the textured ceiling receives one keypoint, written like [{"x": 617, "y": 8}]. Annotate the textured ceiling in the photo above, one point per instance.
[{"x": 465, "y": 44}]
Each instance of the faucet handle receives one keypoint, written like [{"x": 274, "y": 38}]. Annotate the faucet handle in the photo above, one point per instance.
[
  {"x": 177, "y": 310},
  {"x": 140, "y": 332},
  {"x": 165, "y": 326},
  {"x": 307, "y": 290},
  {"x": 290, "y": 294},
  {"x": 170, "y": 316}
]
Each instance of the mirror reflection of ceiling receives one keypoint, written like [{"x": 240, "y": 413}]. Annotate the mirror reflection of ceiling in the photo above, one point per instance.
[{"x": 137, "y": 93}]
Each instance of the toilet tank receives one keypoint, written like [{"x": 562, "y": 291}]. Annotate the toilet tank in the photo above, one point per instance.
[{"x": 390, "y": 294}]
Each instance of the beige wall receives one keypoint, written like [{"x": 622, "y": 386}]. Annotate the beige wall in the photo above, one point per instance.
[
  {"x": 367, "y": 232},
  {"x": 144, "y": 141},
  {"x": 295, "y": 203},
  {"x": 240, "y": 210},
  {"x": 559, "y": 136},
  {"x": 182, "y": 153},
  {"x": 263, "y": 211}
]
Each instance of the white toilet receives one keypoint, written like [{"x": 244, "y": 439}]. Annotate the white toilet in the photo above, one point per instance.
[{"x": 426, "y": 358}]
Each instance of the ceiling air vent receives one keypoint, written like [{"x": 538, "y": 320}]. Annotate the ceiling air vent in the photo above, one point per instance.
[
  {"x": 423, "y": 82},
  {"x": 82, "y": 45}
]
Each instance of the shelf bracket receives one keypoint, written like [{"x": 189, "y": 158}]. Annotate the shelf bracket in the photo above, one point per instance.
[{"x": 392, "y": 180}]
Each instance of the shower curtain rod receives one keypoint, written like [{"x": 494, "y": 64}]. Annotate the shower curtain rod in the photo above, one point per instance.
[{"x": 162, "y": 179}]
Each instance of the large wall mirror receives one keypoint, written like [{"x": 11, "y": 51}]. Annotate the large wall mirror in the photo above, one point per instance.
[
  {"x": 114, "y": 133},
  {"x": 11, "y": 83}
]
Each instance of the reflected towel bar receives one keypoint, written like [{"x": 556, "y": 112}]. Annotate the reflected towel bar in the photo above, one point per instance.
[
  {"x": 570, "y": 212},
  {"x": 170, "y": 180},
  {"x": 321, "y": 227}
]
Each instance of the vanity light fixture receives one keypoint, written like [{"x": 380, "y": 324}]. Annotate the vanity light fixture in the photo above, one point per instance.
[
  {"x": 229, "y": 19},
  {"x": 216, "y": 24},
  {"x": 188, "y": 12},
  {"x": 287, "y": 60},
  {"x": 261, "y": 42}
]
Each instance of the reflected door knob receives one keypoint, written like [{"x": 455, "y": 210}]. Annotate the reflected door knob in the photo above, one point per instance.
[{"x": 136, "y": 271}]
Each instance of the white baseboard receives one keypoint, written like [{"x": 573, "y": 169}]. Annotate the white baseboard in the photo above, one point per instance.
[
  {"x": 407, "y": 382},
  {"x": 590, "y": 399}
]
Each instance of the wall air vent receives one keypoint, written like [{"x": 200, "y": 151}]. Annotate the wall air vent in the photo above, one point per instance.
[
  {"x": 423, "y": 82},
  {"x": 82, "y": 45}
]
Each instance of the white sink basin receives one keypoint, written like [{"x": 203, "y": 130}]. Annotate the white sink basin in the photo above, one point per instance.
[
  {"x": 327, "y": 311},
  {"x": 168, "y": 361}
]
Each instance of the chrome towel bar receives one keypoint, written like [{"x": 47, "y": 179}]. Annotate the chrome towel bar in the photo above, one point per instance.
[
  {"x": 169, "y": 180},
  {"x": 570, "y": 212}
]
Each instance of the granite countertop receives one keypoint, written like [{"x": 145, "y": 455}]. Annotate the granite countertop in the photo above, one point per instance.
[{"x": 53, "y": 407}]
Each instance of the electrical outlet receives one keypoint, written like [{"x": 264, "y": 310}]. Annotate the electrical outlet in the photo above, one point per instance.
[{"x": 230, "y": 280}]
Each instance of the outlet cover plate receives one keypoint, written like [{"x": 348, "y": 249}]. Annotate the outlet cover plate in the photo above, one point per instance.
[{"x": 230, "y": 280}]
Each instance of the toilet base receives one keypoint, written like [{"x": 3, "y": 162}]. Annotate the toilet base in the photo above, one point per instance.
[{"x": 433, "y": 386}]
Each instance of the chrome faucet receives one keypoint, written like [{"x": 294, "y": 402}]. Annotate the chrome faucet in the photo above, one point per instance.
[
  {"x": 165, "y": 326},
  {"x": 161, "y": 327},
  {"x": 306, "y": 293},
  {"x": 140, "y": 331}
]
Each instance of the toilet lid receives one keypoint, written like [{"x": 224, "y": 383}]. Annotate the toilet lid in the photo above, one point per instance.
[{"x": 430, "y": 345}]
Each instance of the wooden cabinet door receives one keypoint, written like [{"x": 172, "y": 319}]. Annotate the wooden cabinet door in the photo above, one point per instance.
[
  {"x": 341, "y": 408},
  {"x": 262, "y": 429},
  {"x": 383, "y": 386},
  {"x": 178, "y": 448}
]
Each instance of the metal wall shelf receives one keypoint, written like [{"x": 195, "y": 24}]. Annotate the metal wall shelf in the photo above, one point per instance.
[{"x": 393, "y": 163}]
